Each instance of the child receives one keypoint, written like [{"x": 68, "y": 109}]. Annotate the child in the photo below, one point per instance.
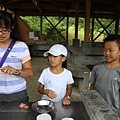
[
  {"x": 105, "y": 77},
  {"x": 56, "y": 81}
]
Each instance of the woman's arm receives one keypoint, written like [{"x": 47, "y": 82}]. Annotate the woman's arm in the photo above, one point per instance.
[{"x": 27, "y": 70}]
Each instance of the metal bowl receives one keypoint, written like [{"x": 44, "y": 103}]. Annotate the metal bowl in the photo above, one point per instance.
[
  {"x": 43, "y": 106},
  {"x": 43, "y": 103}
]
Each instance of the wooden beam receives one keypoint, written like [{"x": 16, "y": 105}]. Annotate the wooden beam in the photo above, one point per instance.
[
  {"x": 54, "y": 27},
  {"x": 102, "y": 25},
  {"x": 76, "y": 20},
  {"x": 41, "y": 21},
  {"x": 117, "y": 25},
  {"x": 117, "y": 20},
  {"x": 87, "y": 20},
  {"x": 105, "y": 28},
  {"x": 37, "y": 5},
  {"x": 92, "y": 32},
  {"x": 67, "y": 24},
  {"x": 11, "y": 1}
]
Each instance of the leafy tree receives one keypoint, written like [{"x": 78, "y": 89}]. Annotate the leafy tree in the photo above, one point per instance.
[
  {"x": 34, "y": 23},
  {"x": 98, "y": 28}
]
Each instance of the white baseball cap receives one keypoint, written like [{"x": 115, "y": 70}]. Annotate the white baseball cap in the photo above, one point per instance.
[{"x": 57, "y": 50}]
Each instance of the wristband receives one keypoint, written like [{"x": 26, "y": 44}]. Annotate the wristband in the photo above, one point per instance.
[{"x": 68, "y": 97}]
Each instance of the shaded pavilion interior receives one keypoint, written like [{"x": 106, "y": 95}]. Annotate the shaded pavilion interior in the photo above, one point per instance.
[{"x": 88, "y": 9}]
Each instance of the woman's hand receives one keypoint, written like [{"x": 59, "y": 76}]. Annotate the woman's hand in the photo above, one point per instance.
[
  {"x": 27, "y": 70},
  {"x": 8, "y": 70}
]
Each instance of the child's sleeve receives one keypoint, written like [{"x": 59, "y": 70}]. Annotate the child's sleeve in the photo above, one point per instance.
[
  {"x": 93, "y": 76},
  {"x": 70, "y": 81},
  {"x": 42, "y": 78}
]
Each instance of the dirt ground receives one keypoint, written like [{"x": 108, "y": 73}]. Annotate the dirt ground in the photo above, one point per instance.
[{"x": 39, "y": 63}]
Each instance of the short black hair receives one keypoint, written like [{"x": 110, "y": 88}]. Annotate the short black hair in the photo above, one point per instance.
[
  {"x": 6, "y": 19},
  {"x": 113, "y": 37}
]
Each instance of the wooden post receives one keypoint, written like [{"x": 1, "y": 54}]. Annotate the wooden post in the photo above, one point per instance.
[
  {"x": 87, "y": 20},
  {"x": 117, "y": 20},
  {"x": 76, "y": 40},
  {"x": 41, "y": 28},
  {"x": 117, "y": 25},
  {"x": 67, "y": 24},
  {"x": 92, "y": 33},
  {"x": 76, "y": 20}
]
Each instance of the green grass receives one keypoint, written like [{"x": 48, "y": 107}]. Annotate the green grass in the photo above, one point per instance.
[{"x": 71, "y": 33}]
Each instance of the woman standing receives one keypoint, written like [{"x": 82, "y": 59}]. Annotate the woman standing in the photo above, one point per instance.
[{"x": 16, "y": 65}]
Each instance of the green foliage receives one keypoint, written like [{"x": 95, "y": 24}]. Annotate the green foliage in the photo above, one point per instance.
[
  {"x": 32, "y": 22},
  {"x": 51, "y": 34},
  {"x": 48, "y": 28},
  {"x": 98, "y": 28}
]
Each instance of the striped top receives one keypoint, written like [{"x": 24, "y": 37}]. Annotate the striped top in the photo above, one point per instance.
[{"x": 17, "y": 56}]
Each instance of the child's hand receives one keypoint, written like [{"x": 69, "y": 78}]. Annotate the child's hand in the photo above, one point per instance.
[
  {"x": 66, "y": 101},
  {"x": 51, "y": 94}
]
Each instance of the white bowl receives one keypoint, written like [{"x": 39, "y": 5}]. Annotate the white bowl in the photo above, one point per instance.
[
  {"x": 43, "y": 102},
  {"x": 44, "y": 116}
]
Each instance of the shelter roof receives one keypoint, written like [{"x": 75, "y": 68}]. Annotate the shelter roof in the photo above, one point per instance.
[{"x": 99, "y": 8}]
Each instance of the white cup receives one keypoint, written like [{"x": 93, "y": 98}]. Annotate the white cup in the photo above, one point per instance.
[
  {"x": 66, "y": 118},
  {"x": 44, "y": 116}
]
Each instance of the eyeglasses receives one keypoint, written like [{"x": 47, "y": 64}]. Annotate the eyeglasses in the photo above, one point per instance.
[{"x": 4, "y": 30}]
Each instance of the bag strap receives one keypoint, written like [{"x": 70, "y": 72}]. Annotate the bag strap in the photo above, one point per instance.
[{"x": 7, "y": 52}]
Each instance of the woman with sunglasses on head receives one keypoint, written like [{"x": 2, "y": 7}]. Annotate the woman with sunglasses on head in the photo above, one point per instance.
[{"x": 15, "y": 62}]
